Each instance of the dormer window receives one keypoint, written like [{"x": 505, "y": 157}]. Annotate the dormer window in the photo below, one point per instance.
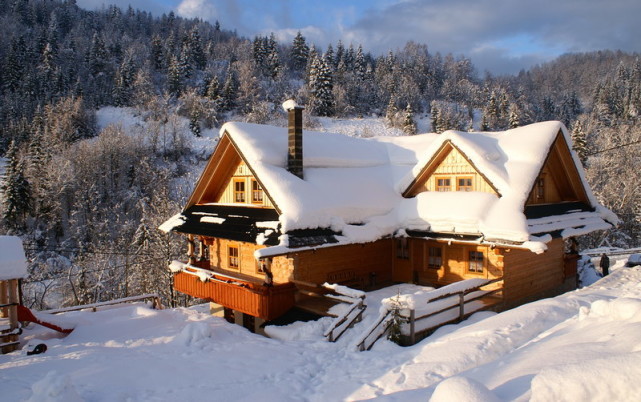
[
  {"x": 464, "y": 184},
  {"x": 257, "y": 192},
  {"x": 239, "y": 191},
  {"x": 443, "y": 184}
]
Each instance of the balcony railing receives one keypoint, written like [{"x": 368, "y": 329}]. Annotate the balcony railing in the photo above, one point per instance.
[{"x": 247, "y": 296}]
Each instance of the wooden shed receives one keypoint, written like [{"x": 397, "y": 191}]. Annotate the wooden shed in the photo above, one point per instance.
[{"x": 13, "y": 267}]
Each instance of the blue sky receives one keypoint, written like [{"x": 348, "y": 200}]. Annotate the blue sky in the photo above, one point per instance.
[{"x": 501, "y": 36}]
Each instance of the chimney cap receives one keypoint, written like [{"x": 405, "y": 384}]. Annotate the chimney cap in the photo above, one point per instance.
[{"x": 291, "y": 104}]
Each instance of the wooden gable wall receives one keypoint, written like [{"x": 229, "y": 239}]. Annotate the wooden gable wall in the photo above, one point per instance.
[
  {"x": 243, "y": 175},
  {"x": 449, "y": 163},
  {"x": 216, "y": 183},
  {"x": 559, "y": 179}
]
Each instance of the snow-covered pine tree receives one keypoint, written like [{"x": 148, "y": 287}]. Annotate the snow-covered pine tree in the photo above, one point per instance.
[
  {"x": 434, "y": 117},
  {"x": 321, "y": 87},
  {"x": 196, "y": 52},
  {"x": 340, "y": 53},
  {"x": 228, "y": 96},
  {"x": 271, "y": 62},
  {"x": 579, "y": 142},
  {"x": 299, "y": 52},
  {"x": 16, "y": 191},
  {"x": 515, "y": 119},
  {"x": 194, "y": 122},
  {"x": 174, "y": 77},
  {"x": 184, "y": 62},
  {"x": 97, "y": 56},
  {"x": 409, "y": 125},
  {"x": 360, "y": 65},
  {"x": 391, "y": 111},
  {"x": 156, "y": 53}
]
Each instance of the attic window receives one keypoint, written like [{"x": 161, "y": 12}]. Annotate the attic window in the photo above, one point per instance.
[
  {"x": 443, "y": 184},
  {"x": 464, "y": 184},
  {"x": 475, "y": 261},
  {"x": 540, "y": 188},
  {"x": 239, "y": 190},
  {"x": 257, "y": 192}
]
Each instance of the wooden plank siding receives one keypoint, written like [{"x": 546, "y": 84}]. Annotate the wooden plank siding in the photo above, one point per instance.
[
  {"x": 356, "y": 265},
  {"x": 455, "y": 262},
  {"x": 244, "y": 174},
  {"x": 530, "y": 276},
  {"x": 559, "y": 179},
  {"x": 281, "y": 267},
  {"x": 449, "y": 163},
  {"x": 254, "y": 299}
]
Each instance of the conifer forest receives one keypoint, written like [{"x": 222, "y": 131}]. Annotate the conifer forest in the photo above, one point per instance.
[{"x": 87, "y": 201}]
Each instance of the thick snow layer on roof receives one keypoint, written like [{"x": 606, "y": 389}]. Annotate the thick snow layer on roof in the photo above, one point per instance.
[
  {"x": 13, "y": 264},
  {"x": 346, "y": 179},
  {"x": 349, "y": 180}
]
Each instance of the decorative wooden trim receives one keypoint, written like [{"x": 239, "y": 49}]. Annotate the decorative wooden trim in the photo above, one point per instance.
[{"x": 430, "y": 166}]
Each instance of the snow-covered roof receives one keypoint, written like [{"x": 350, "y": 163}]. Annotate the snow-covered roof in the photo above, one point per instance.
[
  {"x": 13, "y": 264},
  {"x": 355, "y": 186}
]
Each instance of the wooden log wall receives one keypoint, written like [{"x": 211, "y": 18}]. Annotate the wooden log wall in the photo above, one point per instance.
[
  {"x": 281, "y": 267},
  {"x": 355, "y": 265},
  {"x": 530, "y": 276},
  {"x": 455, "y": 264}
]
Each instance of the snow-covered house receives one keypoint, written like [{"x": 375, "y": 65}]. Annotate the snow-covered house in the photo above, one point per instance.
[{"x": 275, "y": 208}]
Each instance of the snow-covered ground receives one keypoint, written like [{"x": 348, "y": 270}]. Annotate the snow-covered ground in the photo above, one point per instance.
[{"x": 584, "y": 345}]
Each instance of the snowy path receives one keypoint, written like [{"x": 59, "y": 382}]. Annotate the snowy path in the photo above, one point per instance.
[{"x": 555, "y": 349}]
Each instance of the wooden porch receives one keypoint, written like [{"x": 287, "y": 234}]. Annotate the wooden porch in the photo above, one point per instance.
[{"x": 241, "y": 294}]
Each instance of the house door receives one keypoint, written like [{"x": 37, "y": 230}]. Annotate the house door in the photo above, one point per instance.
[{"x": 402, "y": 270}]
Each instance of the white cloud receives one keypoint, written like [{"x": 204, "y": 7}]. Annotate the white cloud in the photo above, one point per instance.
[
  {"x": 476, "y": 28},
  {"x": 203, "y": 9}
]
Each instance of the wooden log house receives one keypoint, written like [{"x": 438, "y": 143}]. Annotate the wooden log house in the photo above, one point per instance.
[{"x": 278, "y": 207}]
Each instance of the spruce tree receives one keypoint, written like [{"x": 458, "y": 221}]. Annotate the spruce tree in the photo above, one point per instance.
[
  {"x": 196, "y": 52},
  {"x": 299, "y": 53},
  {"x": 515, "y": 120},
  {"x": 174, "y": 77},
  {"x": 194, "y": 122},
  {"x": 16, "y": 190},
  {"x": 321, "y": 87},
  {"x": 434, "y": 117},
  {"x": 579, "y": 142},
  {"x": 409, "y": 125},
  {"x": 228, "y": 96},
  {"x": 391, "y": 111}
]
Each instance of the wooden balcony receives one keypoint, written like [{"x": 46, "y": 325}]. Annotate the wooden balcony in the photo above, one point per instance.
[{"x": 246, "y": 296}]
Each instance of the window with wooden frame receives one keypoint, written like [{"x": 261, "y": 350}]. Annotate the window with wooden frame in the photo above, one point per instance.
[
  {"x": 233, "y": 257},
  {"x": 443, "y": 184},
  {"x": 464, "y": 184},
  {"x": 434, "y": 257},
  {"x": 475, "y": 261},
  {"x": 239, "y": 190},
  {"x": 540, "y": 188},
  {"x": 257, "y": 192},
  {"x": 402, "y": 248}
]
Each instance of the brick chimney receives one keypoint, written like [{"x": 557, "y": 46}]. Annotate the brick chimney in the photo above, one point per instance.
[{"x": 294, "y": 138}]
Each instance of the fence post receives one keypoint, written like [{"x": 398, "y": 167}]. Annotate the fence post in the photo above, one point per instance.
[
  {"x": 412, "y": 328},
  {"x": 461, "y": 306}
]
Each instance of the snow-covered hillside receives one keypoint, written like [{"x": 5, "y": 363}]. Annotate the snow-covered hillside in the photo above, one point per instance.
[{"x": 584, "y": 345}]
